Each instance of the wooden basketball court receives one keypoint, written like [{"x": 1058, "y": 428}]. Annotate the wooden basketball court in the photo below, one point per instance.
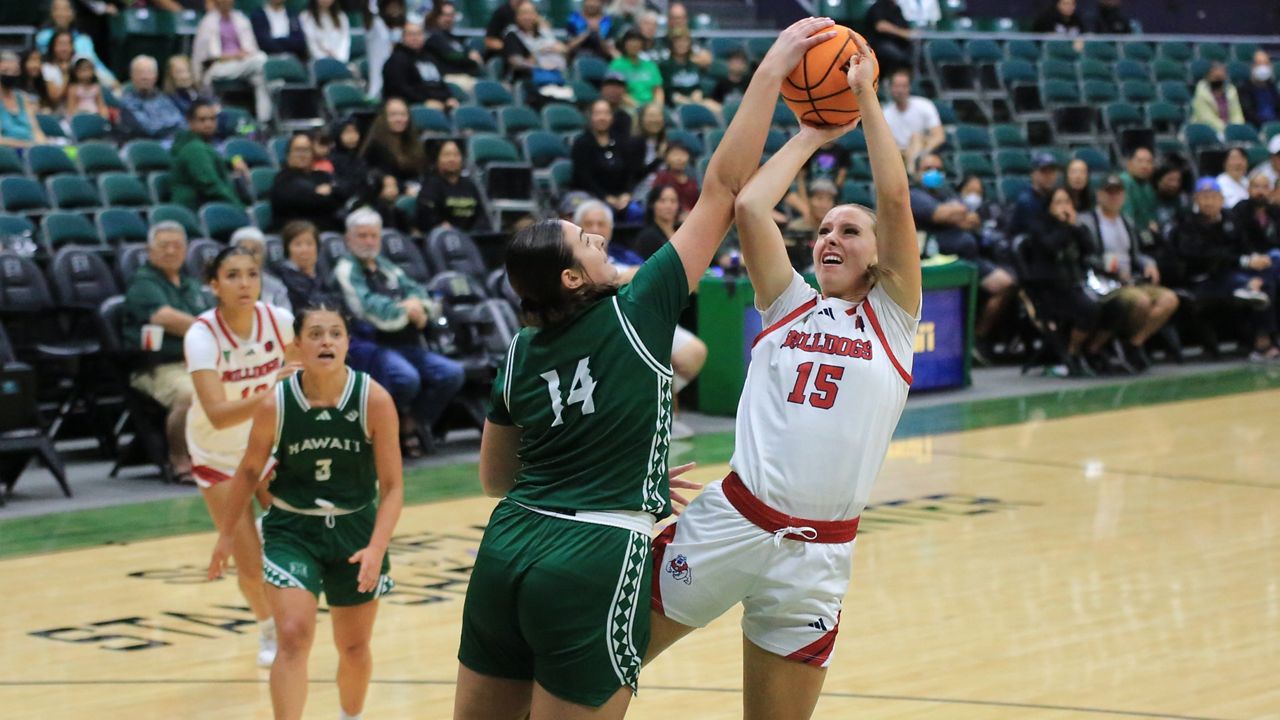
[{"x": 1124, "y": 564}]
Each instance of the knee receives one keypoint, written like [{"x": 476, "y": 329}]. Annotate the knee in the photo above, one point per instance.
[
  {"x": 294, "y": 635},
  {"x": 689, "y": 361},
  {"x": 450, "y": 375},
  {"x": 355, "y": 651}
]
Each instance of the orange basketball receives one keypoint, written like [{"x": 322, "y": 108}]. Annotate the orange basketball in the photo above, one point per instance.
[{"x": 817, "y": 90}]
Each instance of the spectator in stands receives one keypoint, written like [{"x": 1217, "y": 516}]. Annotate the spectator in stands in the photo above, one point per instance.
[
  {"x": 1270, "y": 168},
  {"x": 590, "y": 31},
  {"x": 321, "y": 153},
  {"x": 57, "y": 66},
  {"x": 1233, "y": 181},
  {"x": 225, "y": 49},
  {"x": 1216, "y": 102},
  {"x": 1141, "y": 305},
  {"x": 613, "y": 90},
  {"x": 973, "y": 193},
  {"x": 274, "y": 291},
  {"x": 661, "y": 217},
  {"x": 160, "y": 294},
  {"x": 602, "y": 163},
  {"x": 830, "y": 162},
  {"x": 1139, "y": 193},
  {"x": 889, "y": 35},
  {"x": 1259, "y": 98},
  {"x": 1173, "y": 206},
  {"x": 1257, "y": 219},
  {"x": 380, "y": 194},
  {"x": 62, "y": 17},
  {"x": 299, "y": 192},
  {"x": 447, "y": 197},
  {"x": 33, "y": 82},
  {"x": 278, "y": 31},
  {"x": 627, "y": 12},
  {"x": 460, "y": 65},
  {"x": 199, "y": 174},
  {"x": 651, "y": 138},
  {"x": 737, "y": 76},
  {"x": 647, "y": 26},
  {"x": 1059, "y": 17},
  {"x": 380, "y": 293},
  {"x": 678, "y": 24},
  {"x": 534, "y": 55},
  {"x": 914, "y": 120},
  {"x": 144, "y": 111},
  {"x": 1055, "y": 263},
  {"x": 412, "y": 76},
  {"x": 299, "y": 271},
  {"x": 393, "y": 145},
  {"x": 1030, "y": 212},
  {"x": 644, "y": 79},
  {"x": 495, "y": 33},
  {"x": 84, "y": 95},
  {"x": 385, "y": 29},
  {"x": 327, "y": 29},
  {"x": 681, "y": 74},
  {"x": 1111, "y": 19},
  {"x": 941, "y": 214},
  {"x": 180, "y": 84},
  {"x": 18, "y": 126},
  {"x": 1220, "y": 269},
  {"x": 349, "y": 166},
  {"x": 675, "y": 174},
  {"x": 816, "y": 201},
  {"x": 1078, "y": 185}
]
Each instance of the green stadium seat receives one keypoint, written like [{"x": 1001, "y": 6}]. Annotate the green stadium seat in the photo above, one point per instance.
[
  {"x": 1165, "y": 69},
  {"x": 774, "y": 141},
  {"x": 342, "y": 98},
  {"x": 69, "y": 228},
  {"x": 1239, "y": 72},
  {"x": 1103, "y": 51},
  {"x": 1060, "y": 92},
  {"x": 50, "y": 126},
  {"x": 1026, "y": 50},
  {"x": 430, "y": 120},
  {"x": 1100, "y": 92},
  {"x": 562, "y": 118},
  {"x": 1059, "y": 70},
  {"x": 484, "y": 149},
  {"x": 758, "y": 46},
  {"x": 1138, "y": 91},
  {"x": 146, "y": 156},
  {"x": 120, "y": 225},
  {"x": 158, "y": 185},
  {"x": 22, "y": 194},
  {"x": 280, "y": 149},
  {"x": 180, "y": 215},
  {"x": 1119, "y": 115},
  {"x": 782, "y": 117},
  {"x": 957, "y": 24},
  {"x": 692, "y": 141},
  {"x": 518, "y": 119},
  {"x": 1175, "y": 92},
  {"x": 1140, "y": 51},
  {"x": 854, "y": 141},
  {"x": 973, "y": 137},
  {"x": 72, "y": 192},
  {"x": 561, "y": 174},
  {"x": 1011, "y": 187},
  {"x": 1009, "y": 136},
  {"x": 1171, "y": 146},
  {"x": 1013, "y": 162},
  {"x": 1243, "y": 51},
  {"x": 10, "y": 163},
  {"x": 253, "y": 154},
  {"x": 723, "y": 47},
  {"x": 260, "y": 181},
  {"x": 1061, "y": 50},
  {"x": 984, "y": 51},
  {"x": 1240, "y": 134},
  {"x": 697, "y": 118},
  {"x": 1179, "y": 51},
  {"x": 492, "y": 94},
  {"x": 1198, "y": 68},
  {"x": 590, "y": 69},
  {"x": 123, "y": 190},
  {"x": 328, "y": 70},
  {"x": 860, "y": 168},
  {"x": 1016, "y": 72},
  {"x": 974, "y": 163},
  {"x": 261, "y": 214},
  {"x": 46, "y": 160},
  {"x": 1213, "y": 51},
  {"x": 946, "y": 111},
  {"x": 473, "y": 118},
  {"x": 997, "y": 24},
  {"x": 1097, "y": 162},
  {"x": 1258, "y": 154},
  {"x": 286, "y": 69},
  {"x": 1132, "y": 70},
  {"x": 89, "y": 126},
  {"x": 584, "y": 92},
  {"x": 13, "y": 226},
  {"x": 1165, "y": 117},
  {"x": 1097, "y": 70},
  {"x": 542, "y": 148},
  {"x": 857, "y": 193},
  {"x": 97, "y": 157},
  {"x": 1270, "y": 129},
  {"x": 1199, "y": 136},
  {"x": 221, "y": 219}
]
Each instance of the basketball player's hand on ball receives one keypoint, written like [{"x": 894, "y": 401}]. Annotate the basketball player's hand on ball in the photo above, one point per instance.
[
  {"x": 792, "y": 44},
  {"x": 864, "y": 68},
  {"x": 370, "y": 562},
  {"x": 221, "y": 552},
  {"x": 678, "y": 500},
  {"x": 818, "y": 135}
]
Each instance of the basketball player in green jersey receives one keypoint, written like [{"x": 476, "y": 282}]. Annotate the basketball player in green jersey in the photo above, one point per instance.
[
  {"x": 556, "y": 622},
  {"x": 332, "y": 439}
]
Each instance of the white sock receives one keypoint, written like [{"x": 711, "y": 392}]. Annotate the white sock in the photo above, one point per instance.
[
  {"x": 342, "y": 715},
  {"x": 679, "y": 383},
  {"x": 267, "y": 628}
]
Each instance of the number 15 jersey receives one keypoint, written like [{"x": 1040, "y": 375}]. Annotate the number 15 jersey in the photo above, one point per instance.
[{"x": 827, "y": 383}]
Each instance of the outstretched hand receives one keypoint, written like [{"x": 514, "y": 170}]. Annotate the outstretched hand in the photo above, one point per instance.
[
  {"x": 795, "y": 41},
  {"x": 822, "y": 134},
  {"x": 678, "y": 500},
  {"x": 864, "y": 68}
]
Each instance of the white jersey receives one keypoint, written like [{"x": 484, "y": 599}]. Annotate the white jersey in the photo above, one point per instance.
[
  {"x": 826, "y": 386},
  {"x": 246, "y": 366}
]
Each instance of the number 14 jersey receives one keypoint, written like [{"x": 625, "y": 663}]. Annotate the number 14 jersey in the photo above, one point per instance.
[{"x": 827, "y": 383}]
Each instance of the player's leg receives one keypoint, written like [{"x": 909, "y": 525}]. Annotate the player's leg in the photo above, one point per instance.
[
  {"x": 776, "y": 688},
  {"x": 247, "y": 551},
  {"x": 295, "y": 612},
  {"x": 352, "y": 628},
  {"x": 663, "y": 633},
  {"x": 484, "y": 697},
  {"x": 547, "y": 706}
]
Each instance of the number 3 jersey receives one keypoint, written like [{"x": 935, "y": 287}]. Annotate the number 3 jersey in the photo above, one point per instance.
[
  {"x": 245, "y": 366},
  {"x": 827, "y": 383},
  {"x": 592, "y": 398}
]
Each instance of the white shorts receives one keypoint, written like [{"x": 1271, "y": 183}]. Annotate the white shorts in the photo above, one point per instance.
[
  {"x": 791, "y": 590},
  {"x": 210, "y": 468}
]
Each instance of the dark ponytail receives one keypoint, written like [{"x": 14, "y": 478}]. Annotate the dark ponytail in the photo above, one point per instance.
[{"x": 536, "y": 258}]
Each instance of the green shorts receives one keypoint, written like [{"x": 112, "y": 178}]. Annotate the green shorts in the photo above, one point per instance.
[
  {"x": 300, "y": 551},
  {"x": 562, "y": 602}
]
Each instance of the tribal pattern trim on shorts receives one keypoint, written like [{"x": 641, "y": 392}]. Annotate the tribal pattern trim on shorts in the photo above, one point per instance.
[
  {"x": 627, "y": 601},
  {"x": 279, "y": 577}
]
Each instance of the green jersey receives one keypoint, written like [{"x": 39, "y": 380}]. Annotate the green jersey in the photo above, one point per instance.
[
  {"x": 593, "y": 398},
  {"x": 323, "y": 456}
]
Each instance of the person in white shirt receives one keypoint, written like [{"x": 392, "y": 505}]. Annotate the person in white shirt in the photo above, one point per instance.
[
  {"x": 1233, "y": 180},
  {"x": 327, "y": 29},
  {"x": 1271, "y": 168},
  {"x": 914, "y": 121}
]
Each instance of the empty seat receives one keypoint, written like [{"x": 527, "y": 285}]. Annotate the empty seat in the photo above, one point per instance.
[
  {"x": 253, "y": 154},
  {"x": 96, "y": 158},
  {"x": 492, "y": 94},
  {"x": 696, "y": 118},
  {"x": 342, "y": 98},
  {"x": 120, "y": 225},
  {"x": 1013, "y": 162},
  {"x": 472, "y": 118},
  {"x": 72, "y": 192},
  {"x": 561, "y": 118},
  {"x": 1009, "y": 136},
  {"x": 180, "y": 215},
  {"x": 972, "y": 137},
  {"x": 260, "y": 181},
  {"x": 46, "y": 160},
  {"x": 1137, "y": 91},
  {"x": 147, "y": 156},
  {"x": 68, "y": 228},
  {"x": 22, "y": 195},
  {"x": 199, "y": 252},
  {"x": 1132, "y": 70},
  {"x": 975, "y": 163},
  {"x": 430, "y": 120},
  {"x": 518, "y": 119},
  {"x": 543, "y": 148},
  {"x": 1097, "y": 162},
  {"x": 221, "y": 219},
  {"x": 1165, "y": 69},
  {"x": 489, "y": 148},
  {"x": 327, "y": 70},
  {"x": 89, "y": 126}
]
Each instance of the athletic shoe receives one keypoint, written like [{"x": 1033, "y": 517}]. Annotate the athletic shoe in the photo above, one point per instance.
[
  {"x": 266, "y": 649},
  {"x": 1255, "y": 298},
  {"x": 1137, "y": 358}
]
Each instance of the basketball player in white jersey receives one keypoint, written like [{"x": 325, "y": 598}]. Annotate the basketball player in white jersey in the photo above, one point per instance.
[
  {"x": 827, "y": 383},
  {"x": 235, "y": 353}
]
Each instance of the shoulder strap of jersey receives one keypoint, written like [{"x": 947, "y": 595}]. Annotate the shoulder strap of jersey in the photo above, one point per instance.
[
  {"x": 509, "y": 368},
  {"x": 275, "y": 326},
  {"x": 214, "y": 332},
  {"x": 282, "y": 403},
  {"x": 362, "y": 397},
  {"x": 633, "y": 337}
]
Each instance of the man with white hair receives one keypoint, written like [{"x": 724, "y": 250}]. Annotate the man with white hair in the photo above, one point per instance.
[
  {"x": 688, "y": 353},
  {"x": 395, "y": 309},
  {"x": 145, "y": 112},
  {"x": 274, "y": 291},
  {"x": 160, "y": 296}
]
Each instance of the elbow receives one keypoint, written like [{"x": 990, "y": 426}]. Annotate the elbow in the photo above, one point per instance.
[{"x": 746, "y": 204}]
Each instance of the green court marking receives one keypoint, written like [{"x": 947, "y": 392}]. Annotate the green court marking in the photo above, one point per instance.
[{"x": 163, "y": 518}]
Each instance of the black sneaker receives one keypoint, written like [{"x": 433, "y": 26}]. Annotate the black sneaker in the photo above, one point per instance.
[
  {"x": 1137, "y": 358},
  {"x": 1078, "y": 367}
]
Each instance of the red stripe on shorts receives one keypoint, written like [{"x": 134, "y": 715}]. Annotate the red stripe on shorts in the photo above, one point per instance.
[
  {"x": 818, "y": 652},
  {"x": 209, "y": 475},
  {"x": 660, "y": 544},
  {"x": 770, "y": 520}
]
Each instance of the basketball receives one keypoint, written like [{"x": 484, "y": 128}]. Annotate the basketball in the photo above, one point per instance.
[{"x": 817, "y": 90}]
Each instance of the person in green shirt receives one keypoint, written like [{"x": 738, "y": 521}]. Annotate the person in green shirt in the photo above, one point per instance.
[
  {"x": 682, "y": 77},
  {"x": 159, "y": 294},
  {"x": 1140, "y": 204},
  {"x": 644, "y": 79},
  {"x": 576, "y": 441},
  {"x": 199, "y": 174}
]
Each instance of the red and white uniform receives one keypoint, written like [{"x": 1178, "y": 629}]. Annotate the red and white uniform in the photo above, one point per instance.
[
  {"x": 826, "y": 387},
  {"x": 246, "y": 366}
]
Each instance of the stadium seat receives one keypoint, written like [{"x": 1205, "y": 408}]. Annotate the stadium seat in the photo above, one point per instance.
[
  {"x": 974, "y": 163},
  {"x": 15, "y": 226},
  {"x": 517, "y": 120},
  {"x": 129, "y": 257},
  {"x": 1212, "y": 51},
  {"x": 10, "y": 163},
  {"x": 561, "y": 172},
  {"x": 474, "y": 119},
  {"x": 286, "y": 69},
  {"x": 1013, "y": 162},
  {"x": 1138, "y": 91},
  {"x": 120, "y": 225},
  {"x": 1026, "y": 50},
  {"x": 96, "y": 158},
  {"x": 589, "y": 69},
  {"x": 221, "y": 219},
  {"x": 1240, "y": 134},
  {"x": 492, "y": 94},
  {"x": 199, "y": 252},
  {"x": 949, "y": 66},
  {"x": 1097, "y": 162},
  {"x": 89, "y": 126},
  {"x": 696, "y": 118},
  {"x": 1099, "y": 92},
  {"x": 80, "y": 278},
  {"x": 1061, "y": 50},
  {"x": 46, "y": 160},
  {"x": 1059, "y": 70},
  {"x": 1060, "y": 92},
  {"x": 1175, "y": 92},
  {"x": 50, "y": 126},
  {"x": 1258, "y": 154},
  {"x": 543, "y": 148},
  {"x": 1199, "y": 136},
  {"x": 158, "y": 185},
  {"x": 72, "y": 192},
  {"x": 1009, "y": 136},
  {"x": 261, "y": 180},
  {"x": 1239, "y": 73},
  {"x": 483, "y": 149},
  {"x": 1270, "y": 129},
  {"x": 1165, "y": 69},
  {"x": 774, "y": 141},
  {"x": 1243, "y": 52},
  {"x": 146, "y": 156},
  {"x": 69, "y": 228},
  {"x": 1140, "y": 51},
  {"x": 180, "y": 215},
  {"x": 253, "y": 154},
  {"x": 401, "y": 251},
  {"x": 692, "y": 141},
  {"x": 722, "y": 47},
  {"x": 561, "y": 118},
  {"x": 1097, "y": 70},
  {"x": 260, "y": 212},
  {"x": 451, "y": 250},
  {"x": 1177, "y": 51},
  {"x": 757, "y": 47},
  {"x": 857, "y": 193},
  {"x": 783, "y": 117},
  {"x": 854, "y": 141},
  {"x": 430, "y": 120},
  {"x": 22, "y": 195},
  {"x": 859, "y": 168},
  {"x": 342, "y": 98},
  {"x": 1197, "y": 68},
  {"x": 1011, "y": 187},
  {"x": 972, "y": 137},
  {"x": 1102, "y": 51},
  {"x": 328, "y": 70},
  {"x": 1119, "y": 115},
  {"x": 1132, "y": 70},
  {"x": 984, "y": 51},
  {"x": 584, "y": 92}
]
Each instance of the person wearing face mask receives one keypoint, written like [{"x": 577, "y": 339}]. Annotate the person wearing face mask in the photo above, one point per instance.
[
  {"x": 18, "y": 126},
  {"x": 1216, "y": 102},
  {"x": 957, "y": 229},
  {"x": 1259, "y": 97}
]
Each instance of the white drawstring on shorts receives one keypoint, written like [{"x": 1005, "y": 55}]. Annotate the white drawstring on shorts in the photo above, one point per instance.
[
  {"x": 330, "y": 509},
  {"x": 805, "y": 532}
]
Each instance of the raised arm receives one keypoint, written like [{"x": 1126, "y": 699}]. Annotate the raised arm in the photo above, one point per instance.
[
  {"x": 898, "y": 254},
  {"x": 763, "y": 250},
  {"x": 738, "y": 155}
]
